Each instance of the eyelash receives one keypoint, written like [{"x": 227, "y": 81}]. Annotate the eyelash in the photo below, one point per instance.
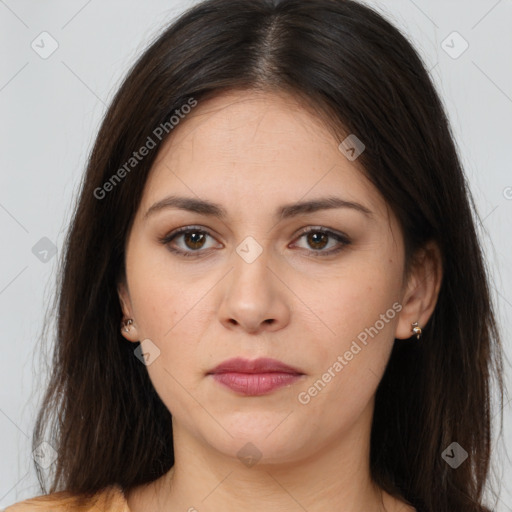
[{"x": 342, "y": 239}]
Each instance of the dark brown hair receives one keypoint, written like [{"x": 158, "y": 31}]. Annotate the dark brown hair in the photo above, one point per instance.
[{"x": 360, "y": 75}]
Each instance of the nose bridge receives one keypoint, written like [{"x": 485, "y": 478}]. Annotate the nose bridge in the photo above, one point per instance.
[
  {"x": 252, "y": 297},
  {"x": 250, "y": 260}
]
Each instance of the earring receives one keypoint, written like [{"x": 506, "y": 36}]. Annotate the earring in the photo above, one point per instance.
[
  {"x": 416, "y": 329},
  {"x": 127, "y": 324}
]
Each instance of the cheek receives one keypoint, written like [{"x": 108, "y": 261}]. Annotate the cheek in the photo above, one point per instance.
[
  {"x": 172, "y": 318},
  {"x": 356, "y": 299},
  {"x": 172, "y": 310},
  {"x": 361, "y": 308},
  {"x": 347, "y": 373},
  {"x": 160, "y": 295}
]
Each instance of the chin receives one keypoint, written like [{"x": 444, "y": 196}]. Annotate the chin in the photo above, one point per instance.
[{"x": 258, "y": 444}]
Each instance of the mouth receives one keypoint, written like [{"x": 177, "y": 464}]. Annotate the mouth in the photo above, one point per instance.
[{"x": 256, "y": 377}]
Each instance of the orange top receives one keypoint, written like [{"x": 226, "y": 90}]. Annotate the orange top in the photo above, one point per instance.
[{"x": 110, "y": 499}]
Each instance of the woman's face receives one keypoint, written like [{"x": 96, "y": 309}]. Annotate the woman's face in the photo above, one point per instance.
[{"x": 252, "y": 284}]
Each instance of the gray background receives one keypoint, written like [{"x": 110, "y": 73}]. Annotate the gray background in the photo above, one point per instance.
[{"x": 50, "y": 110}]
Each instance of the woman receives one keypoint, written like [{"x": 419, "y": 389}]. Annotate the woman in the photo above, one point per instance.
[{"x": 273, "y": 296}]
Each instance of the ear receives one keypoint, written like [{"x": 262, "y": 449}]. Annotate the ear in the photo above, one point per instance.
[
  {"x": 421, "y": 290},
  {"x": 129, "y": 332}
]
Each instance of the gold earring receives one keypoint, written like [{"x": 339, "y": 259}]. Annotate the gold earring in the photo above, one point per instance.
[
  {"x": 127, "y": 324},
  {"x": 416, "y": 329}
]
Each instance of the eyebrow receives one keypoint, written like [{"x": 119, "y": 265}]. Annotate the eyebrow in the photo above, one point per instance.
[{"x": 205, "y": 207}]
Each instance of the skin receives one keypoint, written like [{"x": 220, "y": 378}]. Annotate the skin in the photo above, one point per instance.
[{"x": 252, "y": 152}]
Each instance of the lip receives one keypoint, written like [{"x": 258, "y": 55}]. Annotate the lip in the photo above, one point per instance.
[
  {"x": 261, "y": 365},
  {"x": 254, "y": 377}
]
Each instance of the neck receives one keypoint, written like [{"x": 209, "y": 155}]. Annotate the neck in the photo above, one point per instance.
[{"x": 336, "y": 476}]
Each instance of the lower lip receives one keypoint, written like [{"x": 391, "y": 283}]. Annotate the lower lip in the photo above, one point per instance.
[{"x": 254, "y": 384}]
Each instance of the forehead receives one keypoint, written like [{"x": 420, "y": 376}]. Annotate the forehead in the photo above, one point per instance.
[
  {"x": 241, "y": 124},
  {"x": 255, "y": 145}
]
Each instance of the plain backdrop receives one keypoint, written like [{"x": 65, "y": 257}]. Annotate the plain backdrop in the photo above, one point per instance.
[{"x": 50, "y": 109}]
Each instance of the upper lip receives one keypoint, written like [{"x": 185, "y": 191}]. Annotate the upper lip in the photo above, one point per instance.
[{"x": 262, "y": 365}]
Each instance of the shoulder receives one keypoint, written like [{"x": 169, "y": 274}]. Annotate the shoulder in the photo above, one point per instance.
[{"x": 110, "y": 499}]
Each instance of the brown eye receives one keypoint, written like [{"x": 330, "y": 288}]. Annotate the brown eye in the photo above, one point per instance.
[
  {"x": 318, "y": 239},
  {"x": 192, "y": 241}
]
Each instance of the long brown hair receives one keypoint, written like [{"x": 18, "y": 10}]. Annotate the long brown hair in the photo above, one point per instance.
[{"x": 360, "y": 75}]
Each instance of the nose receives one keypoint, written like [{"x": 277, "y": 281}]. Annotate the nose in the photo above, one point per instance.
[{"x": 254, "y": 298}]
